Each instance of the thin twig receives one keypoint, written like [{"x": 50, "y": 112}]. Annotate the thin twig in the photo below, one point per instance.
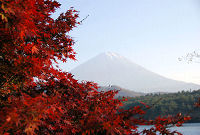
[
  {"x": 6, "y": 81},
  {"x": 84, "y": 19}
]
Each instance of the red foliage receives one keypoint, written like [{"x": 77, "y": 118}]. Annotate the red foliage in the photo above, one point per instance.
[{"x": 37, "y": 98}]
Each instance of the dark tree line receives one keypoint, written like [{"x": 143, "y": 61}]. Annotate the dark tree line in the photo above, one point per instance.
[{"x": 168, "y": 104}]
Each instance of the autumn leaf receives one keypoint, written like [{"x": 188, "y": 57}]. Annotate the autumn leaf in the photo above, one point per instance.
[
  {"x": 31, "y": 128},
  {"x": 3, "y": 17},
  {"x": 34, "y": 50}
]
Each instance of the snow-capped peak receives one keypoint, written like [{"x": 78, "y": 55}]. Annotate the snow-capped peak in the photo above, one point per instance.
[
  {"x": 113, "y": 55},
  {"x": 112, "y": 69}
]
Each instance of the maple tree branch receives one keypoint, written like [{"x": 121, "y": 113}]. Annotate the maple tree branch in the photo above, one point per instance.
[{"x": 7, "y": 81}]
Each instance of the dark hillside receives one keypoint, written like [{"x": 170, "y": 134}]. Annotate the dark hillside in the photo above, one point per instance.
[{"x": 168, "y": 104}]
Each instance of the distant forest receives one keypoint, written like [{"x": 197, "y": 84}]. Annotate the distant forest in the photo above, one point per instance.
[{"x": 168, "y": 104}]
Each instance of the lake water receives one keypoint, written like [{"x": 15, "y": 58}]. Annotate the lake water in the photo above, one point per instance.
[{"x": 186, "y": 129}]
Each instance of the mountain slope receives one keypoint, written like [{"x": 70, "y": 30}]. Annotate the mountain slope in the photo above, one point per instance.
[
  {"x": 113, "y": 69},
  {"x": 122, "y": 92}
]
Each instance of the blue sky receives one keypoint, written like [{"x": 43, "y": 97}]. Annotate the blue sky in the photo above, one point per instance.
[{"x": 151, "y": 33}]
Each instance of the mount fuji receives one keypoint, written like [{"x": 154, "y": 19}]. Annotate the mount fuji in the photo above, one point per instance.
[{"x": 112, "y": 69}]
